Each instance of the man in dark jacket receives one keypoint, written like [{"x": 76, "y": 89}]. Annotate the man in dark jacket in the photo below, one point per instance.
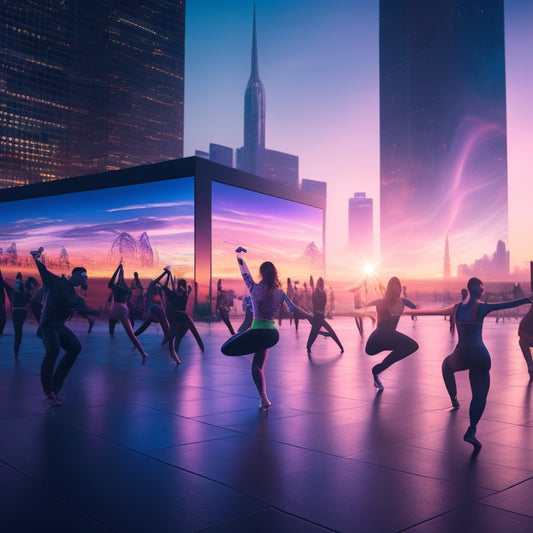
[{"x": 59, "y": 302}]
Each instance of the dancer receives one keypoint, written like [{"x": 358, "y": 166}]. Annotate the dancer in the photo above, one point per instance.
[
  {"x": 266, "y": 296},
  {"x": 60, "y": 300},
  {"x": 136, "y": 300},
  {"x": 119, "y": 311},
  {"x": 222, "y": 306},
  {"x": 19, "y": 296},
  {"x": 470, "y": 353},
  {"x": 318, "y": 321},
  {"x": 155, "y": 312},
  {"x": 3, "y": 317},
  {"x": 385, "y": 336},
  {"x": 525, "y": 334},
  {"x": 180, "y": 322}
]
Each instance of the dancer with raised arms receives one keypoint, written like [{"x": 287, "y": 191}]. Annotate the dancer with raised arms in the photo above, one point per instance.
[{"x": 267, "y": 296}]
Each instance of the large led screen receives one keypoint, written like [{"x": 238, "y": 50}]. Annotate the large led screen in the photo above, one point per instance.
[
  {"x": 288, "y": 233},
  {"x": 146, "y": 226}
]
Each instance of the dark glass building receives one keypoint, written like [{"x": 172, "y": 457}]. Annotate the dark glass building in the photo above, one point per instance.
[
  {"x": 89, "y": 86},
  {"x": 442, "y": 132}
]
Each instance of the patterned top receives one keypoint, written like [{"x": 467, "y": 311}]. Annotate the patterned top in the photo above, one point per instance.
[{"x": 264, "y": 302}]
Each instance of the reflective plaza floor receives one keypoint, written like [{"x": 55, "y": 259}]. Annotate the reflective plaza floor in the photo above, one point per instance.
[{"x": 163, "y": 448}]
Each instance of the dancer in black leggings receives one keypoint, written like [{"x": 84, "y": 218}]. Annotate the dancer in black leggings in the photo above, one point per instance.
[
  {"x": 266, "y": 296},
  {"x": 59, "y": 302},
  {"x": 385, "y": 336},
  {"x": 19, "y": 296},
  {"x": 470, "y": 353},
  {"x": 318, "y": 321},
  {"x": 176, "y": 296}
]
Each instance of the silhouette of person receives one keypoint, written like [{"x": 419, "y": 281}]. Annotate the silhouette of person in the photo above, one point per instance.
[
  {"x": 470, "y": 353},
  {"x": 3, "y": 316},
  {"x": 155, "y": 312},
  {"x": 119, "y": 310},
  {"x": 59, "y": 302},
  {"x": 136, "y": 301},
  {"x": 223, "y": 306},
  {"x": 267, "y": 296},
  {"x": 525, "y": 341},
  {"x": 180, "y": 322},
  {"x": 385, "y": 336},
  {"x": 318, "y": 320},
  {"x": 19, "y": 297}
]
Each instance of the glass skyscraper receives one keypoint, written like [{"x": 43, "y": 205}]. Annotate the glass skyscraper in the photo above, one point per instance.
[
  {"x": 89, "y": 86},
  {"x": 443, "y": 162}
]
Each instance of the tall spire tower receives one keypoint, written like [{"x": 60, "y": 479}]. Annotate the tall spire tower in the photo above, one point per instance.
[{"x": 252, "y": 153}]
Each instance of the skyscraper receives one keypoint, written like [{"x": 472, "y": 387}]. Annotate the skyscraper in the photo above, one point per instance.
[
  {"x": 253, "y": 157},
  {"x": 361, "y": 227},
  {"x": 442, "y": 131},
  {"x": 89, "y": 86}
]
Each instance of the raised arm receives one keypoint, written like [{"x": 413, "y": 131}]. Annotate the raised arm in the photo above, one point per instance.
[
  {"x": 245, "y": 273},
  {"x": 443, "y": 311},
  {"x": 46, "y": 275},
  {"x": 111, "y": 283},
  {"x": 507, "y": 305}
]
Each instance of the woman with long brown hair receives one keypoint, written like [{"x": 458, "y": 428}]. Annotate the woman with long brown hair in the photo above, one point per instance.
[{"x": 267, "y": 296}]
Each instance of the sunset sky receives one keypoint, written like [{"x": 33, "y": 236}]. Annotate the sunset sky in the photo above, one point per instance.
[{"x": 320, "y": 71}]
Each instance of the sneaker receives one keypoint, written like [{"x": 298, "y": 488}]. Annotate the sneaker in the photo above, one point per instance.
[
  {"x": 470, "y": 436},
  {"x": 455, "y": 404},
  {"x": 265, "y": 403},
  {"x": 53, "y": 400},
  {"x": 377, "y": 382}
]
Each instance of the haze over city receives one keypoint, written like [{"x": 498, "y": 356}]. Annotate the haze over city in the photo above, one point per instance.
[{"x": 320, "y": 70}]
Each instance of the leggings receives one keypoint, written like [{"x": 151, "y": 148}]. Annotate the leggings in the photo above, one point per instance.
[
  {"x": 476, "y": 360},
  {"x": 318, "y": 322},
  {"x": 400, "y": 344},
  {"x": 256, "y": 341},
  {"x": 53, "y": 340},
  {"x": 19, "y": 317}
]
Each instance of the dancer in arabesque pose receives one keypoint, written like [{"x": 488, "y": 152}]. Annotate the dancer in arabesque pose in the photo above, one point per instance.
[
  {"x": 470, "y": 353},
  {"x": 266, "y": 296},
  {"x": 385, "y": 337}
]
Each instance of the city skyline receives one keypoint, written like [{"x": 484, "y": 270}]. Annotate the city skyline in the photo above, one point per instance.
[{"x": 317, "y": 123}]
